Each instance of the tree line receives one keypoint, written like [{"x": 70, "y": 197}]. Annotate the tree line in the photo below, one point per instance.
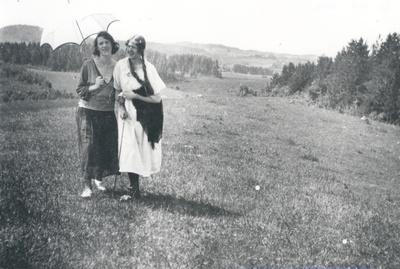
[
  {"x": 253, "y": 70},
  {"x": 71, "y": 58},
  {"x": 360, "y": 80}
]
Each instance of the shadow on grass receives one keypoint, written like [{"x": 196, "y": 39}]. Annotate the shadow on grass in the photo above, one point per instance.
[
  {"x": 183, "y": 206},
  {"x": 178, "y": 205}
]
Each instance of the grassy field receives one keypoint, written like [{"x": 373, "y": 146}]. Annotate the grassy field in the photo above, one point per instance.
[
  {"x": 60, "y": 80},
  {"x": 329, "y": 188}
]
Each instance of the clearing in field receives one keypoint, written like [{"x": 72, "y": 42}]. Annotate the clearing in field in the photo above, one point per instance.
[{"x": 246, "y": 182}]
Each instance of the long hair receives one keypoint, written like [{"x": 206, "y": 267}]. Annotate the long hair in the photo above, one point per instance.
[
  {"x": 107, "y": 36},
  {"x": 140, "y": 44}
]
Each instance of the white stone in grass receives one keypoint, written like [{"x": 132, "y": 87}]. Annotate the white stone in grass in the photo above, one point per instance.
[
  {"x": 257, "y": 187},
  {"x": 125, "y": 197},
  {"x": 365, "y": 119},
  {"x": 188, "y": 146}
]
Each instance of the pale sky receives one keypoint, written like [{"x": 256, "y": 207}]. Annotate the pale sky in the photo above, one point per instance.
[{"x": 319, "y": 27}]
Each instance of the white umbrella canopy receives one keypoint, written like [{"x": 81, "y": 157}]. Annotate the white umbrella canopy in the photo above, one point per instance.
[{"x": 76, "y": 31}]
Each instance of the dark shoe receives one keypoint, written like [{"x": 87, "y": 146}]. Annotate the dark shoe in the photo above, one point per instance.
[{"x": 134, "y": 193}]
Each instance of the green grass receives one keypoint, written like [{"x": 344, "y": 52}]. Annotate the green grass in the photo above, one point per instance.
[{"x": 329, "y": 189}]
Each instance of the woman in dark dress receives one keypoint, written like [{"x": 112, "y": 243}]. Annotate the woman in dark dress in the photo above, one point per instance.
[{"x": 97, "y": 126}]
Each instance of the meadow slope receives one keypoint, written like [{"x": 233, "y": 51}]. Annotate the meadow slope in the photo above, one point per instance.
[{"x": 329, "y": 189}]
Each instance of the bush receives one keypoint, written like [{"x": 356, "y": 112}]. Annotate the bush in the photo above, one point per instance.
[
  {"x": 316, "y": 90},
  {"x": 244, "y": 91}
]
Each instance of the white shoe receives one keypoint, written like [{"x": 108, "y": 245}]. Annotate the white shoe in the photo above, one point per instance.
[
  {"x": 99, "y": 185},
  {"x": 87, "y": 193},
  {"x": 125, "y": 197}
]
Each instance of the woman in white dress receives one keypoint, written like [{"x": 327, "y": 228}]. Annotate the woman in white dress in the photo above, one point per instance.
[{"x": 140, "y": 114}]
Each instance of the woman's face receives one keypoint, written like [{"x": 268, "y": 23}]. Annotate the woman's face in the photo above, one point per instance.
[
  {"x": 132, "y": 50},
  {"x": 104, "y": 46}
]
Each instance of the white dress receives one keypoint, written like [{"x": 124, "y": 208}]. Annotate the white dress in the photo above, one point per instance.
[{"x": 135, "y": 151}]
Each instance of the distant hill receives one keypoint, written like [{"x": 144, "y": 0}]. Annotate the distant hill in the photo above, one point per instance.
[
  {"x": 230, "y": 55},
  {"x": 227, "y": 56},
  {"x": 20, "y": 33}
]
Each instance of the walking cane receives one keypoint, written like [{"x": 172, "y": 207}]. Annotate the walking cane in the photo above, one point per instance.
[{"x": 119, "y": 152}]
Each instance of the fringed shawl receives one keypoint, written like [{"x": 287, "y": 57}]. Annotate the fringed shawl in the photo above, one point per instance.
[{"x": 150, "y": 115}]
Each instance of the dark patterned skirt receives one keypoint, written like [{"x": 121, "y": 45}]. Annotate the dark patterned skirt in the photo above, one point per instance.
[{"x": 98, "y": 143}]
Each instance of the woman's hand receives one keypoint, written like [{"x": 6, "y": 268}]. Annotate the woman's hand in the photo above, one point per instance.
[
  {"x": 97, "y": 84},
  {"x": 121, "y": 100},
  {"x": 124, "y": 115},
  {"x": 99, "y": 81},
  {"x": 129, "y": 95}
]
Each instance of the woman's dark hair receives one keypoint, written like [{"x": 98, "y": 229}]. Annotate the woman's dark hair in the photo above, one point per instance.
[
  {"x": 105, "y": 35},
  {"x": 139, "y": 42}
]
